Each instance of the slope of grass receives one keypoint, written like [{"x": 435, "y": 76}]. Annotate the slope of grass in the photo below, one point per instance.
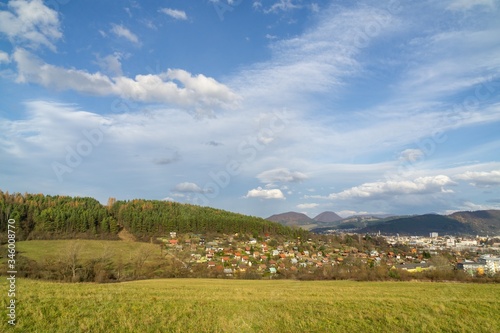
[
  {"x": 202, "y": 305},
  {"x": 87, "y": 249}
]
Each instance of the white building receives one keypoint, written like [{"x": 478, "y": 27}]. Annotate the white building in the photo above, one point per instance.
[{"x": 491, "y": 263}]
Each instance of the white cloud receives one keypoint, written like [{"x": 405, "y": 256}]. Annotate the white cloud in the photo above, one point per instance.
[
  {"x": 111, "y": 64},
  {"x": 32, "y": 69},
  {"x": 379, "y": 190},
  {"x": 347, "y": 213},
  {"x": 259, "y": 192},
  {"x": 31, "y": 24},
  {"x": 4, "y": 57},
  {"x": 188, "y": 187},
  {"x": 192, "y": 91},
  {"x": 195, "y": 90},
  {"x": 282, "y": 5},
  {"x": 256, "y": 5},
  {"x": 481, "y": 178},
  {"x": 307, "y": 206},
  {"x": 174, "y": 13},
  {"x": 120, "y": 31},
  {"x": 411, "y": 155},
  {"x": 281, "y": 175}
]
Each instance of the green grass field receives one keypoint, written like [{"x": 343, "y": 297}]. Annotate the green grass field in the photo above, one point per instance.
[
  {"x": 203, "y": 305},
  {"x": 44, "y": 249}
]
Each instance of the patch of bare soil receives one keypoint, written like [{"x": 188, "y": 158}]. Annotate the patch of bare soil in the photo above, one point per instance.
[{"x": 126, "y": 236}]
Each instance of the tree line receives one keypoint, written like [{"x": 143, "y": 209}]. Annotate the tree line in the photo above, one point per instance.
[{"x": 40, "y": 216}]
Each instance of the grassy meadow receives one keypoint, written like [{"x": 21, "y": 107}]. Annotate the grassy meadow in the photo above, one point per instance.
[
  {"x": 205, "y": 305},
  {"x": 39, "y": 250}
]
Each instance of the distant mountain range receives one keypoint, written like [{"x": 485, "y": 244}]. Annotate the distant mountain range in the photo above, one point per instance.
[
  {"x": 326, "y": 220},
  {"x": 420, "y": 225},
  {"x": 484, "y": 222}
]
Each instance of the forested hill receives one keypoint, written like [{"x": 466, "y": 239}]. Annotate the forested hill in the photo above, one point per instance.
[{"x": 41, "y": 216}]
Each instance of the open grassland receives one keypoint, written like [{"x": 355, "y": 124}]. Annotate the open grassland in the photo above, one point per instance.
[
  {"x": 39, "y": 250},
  {"x": 203, "y": 305}
]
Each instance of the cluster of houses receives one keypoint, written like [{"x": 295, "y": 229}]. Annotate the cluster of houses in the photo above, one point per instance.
[
  {"x": 471, "y": 253},
  {"x": 235, "y": 255},
  {"x": 486, "y": 264},
  {"x": 436, "y": 242}
]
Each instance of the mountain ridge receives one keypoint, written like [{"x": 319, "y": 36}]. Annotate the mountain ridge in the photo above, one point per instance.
[{"x": 481, "y": 222}]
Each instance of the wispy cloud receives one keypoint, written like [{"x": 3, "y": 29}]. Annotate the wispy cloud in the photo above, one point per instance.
[
  {"x": 188, "y": 187},
  {"x": 174, "y": 13},
  {"x": 481, "y": 178},
  {"x": 281, "y": 175},
  {"x": 317, "y": 61},
  {"x": 123, "y": 32},
  {"x": 468, "y": 4},
  {"x": 381, "y": 190},
  {"x": 307, "y": 206},
  {"x": 282, "y": 5}
]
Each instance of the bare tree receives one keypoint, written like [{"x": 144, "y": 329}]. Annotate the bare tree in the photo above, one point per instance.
[
  {"x": 73, "y": 259},
  {"x": 142, "y": 255}
]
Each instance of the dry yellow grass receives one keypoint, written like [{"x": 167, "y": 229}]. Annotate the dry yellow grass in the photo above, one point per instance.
[
  {"x": 203, "y": 305},
  {"x": 43, "y": 250}
]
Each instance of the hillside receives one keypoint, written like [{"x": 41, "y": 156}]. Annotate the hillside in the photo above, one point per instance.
[
  {"x": 359, "y": 221},
  {"x": 327, "y": 217},
  {"x": 483, "y": 222},
  {"x": 41, "y": 216},
  {"x": 420, "y": 225}
]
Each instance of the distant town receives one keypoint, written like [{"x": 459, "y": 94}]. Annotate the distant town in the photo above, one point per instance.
[{"x": 333, "y": 255}]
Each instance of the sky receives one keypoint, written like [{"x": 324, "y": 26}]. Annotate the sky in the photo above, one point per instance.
[{"x": 256, "y": 107}]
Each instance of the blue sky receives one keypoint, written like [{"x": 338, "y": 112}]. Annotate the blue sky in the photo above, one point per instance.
[{"x": 258, "y": 107}]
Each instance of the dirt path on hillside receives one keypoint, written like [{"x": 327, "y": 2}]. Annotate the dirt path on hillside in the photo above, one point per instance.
[{"x": 126, "y": 236}]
